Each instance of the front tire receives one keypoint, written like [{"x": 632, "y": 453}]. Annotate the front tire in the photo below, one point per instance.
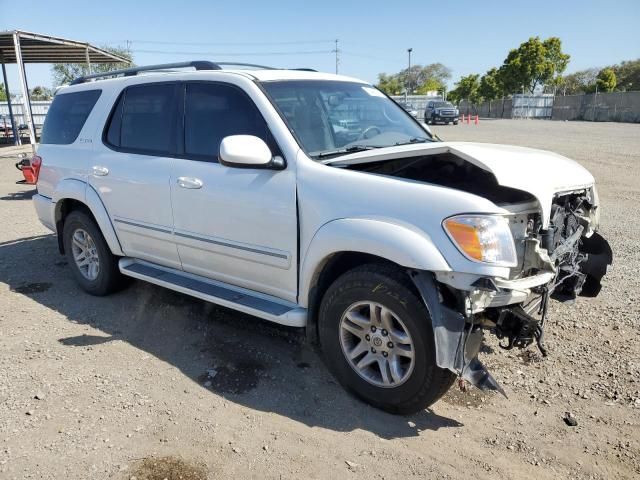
[
  {"x": 377, "y": 340},
  {"x": 93, "y": 265}
]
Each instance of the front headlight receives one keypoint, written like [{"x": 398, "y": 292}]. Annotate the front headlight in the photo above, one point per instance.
[{"x": 483, "y": 238}]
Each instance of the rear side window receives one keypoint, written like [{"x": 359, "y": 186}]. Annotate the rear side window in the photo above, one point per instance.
[
  {"x": 214, "y": 111},
  {"x": 144, "y": 120},
  {"x": 67, "y": 115}
]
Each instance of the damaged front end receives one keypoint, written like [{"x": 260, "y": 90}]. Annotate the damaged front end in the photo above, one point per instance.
[{"x": 565, "y": 260}]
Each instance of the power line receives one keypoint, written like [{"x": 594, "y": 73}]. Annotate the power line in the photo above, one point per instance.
[
  {"x": 234, "y": 54},
  {"x": 228, "y": 44}
]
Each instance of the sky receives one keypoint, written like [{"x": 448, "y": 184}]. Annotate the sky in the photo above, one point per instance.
[{"x": 467, "y": 36}]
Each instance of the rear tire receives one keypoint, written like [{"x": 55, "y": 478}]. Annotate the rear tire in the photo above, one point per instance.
[
  {"x": 377, "y": 292},
  {"x": 93, "y": 265}
]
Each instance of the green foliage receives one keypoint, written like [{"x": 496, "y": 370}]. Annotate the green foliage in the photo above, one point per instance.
[
  {"x": 3, "y": 93},
  {"x": 491, "y": 85},
  {"x": 467, "y": 88},
  {"x": 606, "y": 80},
  {"x": 628, "y": 75},
  {"x": 420, "y": 79},
  {"x": 624, "y": 77},
  {"x": 389, "y": 84},
  {"x": 582, "y": 81},
  {"x": 532, "y": 64},
  {"x": 41, "y": 93},
  {"x": 64, "y": 73}
]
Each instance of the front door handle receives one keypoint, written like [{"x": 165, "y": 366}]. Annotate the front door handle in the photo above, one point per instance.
[
  {"x": 189, "y": 182},
  {"x": 100, "y": 171}
]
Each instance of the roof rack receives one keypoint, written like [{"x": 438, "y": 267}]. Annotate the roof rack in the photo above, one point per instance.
[
  {"x": 130, "y": 72},
  {"x": 197, "y": 64},
  {"x": 236, "y": 64}
]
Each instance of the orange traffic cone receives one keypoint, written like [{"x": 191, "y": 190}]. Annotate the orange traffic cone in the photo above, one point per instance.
[
  {"x": 477, "y": 121},
  {"x": 468, "y": 119}
]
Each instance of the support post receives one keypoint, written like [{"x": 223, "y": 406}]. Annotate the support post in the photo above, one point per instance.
[
  {"x": 14, "y": 127},
  {"x": 86, "y": 54},
  {"x": 25, "y": 91}
]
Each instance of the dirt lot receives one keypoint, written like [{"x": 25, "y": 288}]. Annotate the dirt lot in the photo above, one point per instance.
[{"x": 151, "y": 384}]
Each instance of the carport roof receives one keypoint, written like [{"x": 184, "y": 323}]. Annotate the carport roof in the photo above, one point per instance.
[{"x": 38, "y": 48}]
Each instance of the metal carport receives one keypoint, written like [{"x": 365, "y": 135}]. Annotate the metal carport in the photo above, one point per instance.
[{"x": 20, "y": 47}]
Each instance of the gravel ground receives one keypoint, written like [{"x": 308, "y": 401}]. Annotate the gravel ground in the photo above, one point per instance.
[{"x": 149, "y": 384}]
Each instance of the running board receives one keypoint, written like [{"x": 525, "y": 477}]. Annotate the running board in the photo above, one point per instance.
[{"x": 241, "y": 299}]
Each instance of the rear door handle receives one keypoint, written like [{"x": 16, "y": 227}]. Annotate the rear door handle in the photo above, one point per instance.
[
  {"x": 100, "y": 171},
  {"x": 189, "y": 182}
]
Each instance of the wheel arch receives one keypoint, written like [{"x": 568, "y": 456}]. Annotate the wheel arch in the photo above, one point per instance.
[
  {"x": 72, "y": 194},
  {"x": 344, "y": 244}
]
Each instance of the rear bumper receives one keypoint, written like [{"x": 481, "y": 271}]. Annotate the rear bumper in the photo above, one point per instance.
[{"x": 45, "y": 210}]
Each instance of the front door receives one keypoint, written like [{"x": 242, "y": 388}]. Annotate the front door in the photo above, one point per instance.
[
  {"x": 236, "y": 225},
  {"x": 132, "y": 171}
]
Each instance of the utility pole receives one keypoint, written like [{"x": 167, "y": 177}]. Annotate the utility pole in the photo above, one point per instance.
[
  {"x": 337, "y": 52},
  {"x": 409, "y": 50}
]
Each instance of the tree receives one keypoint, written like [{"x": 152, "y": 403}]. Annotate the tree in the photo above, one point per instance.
[
  {"x": 64, "y": 73},
  {"x": 3, "y": 93},
  {"x": 390, "y": 84},
  {"x": 606, "y": 80},
  {"x": 420, "y": 79},
  {"x": 467, "y": 88},
  {"x": 582, "y": 81},
  {"x": 490, "y": 85},
  {"x": 628, "y": 75},
  {"x": 41, "y": 93},
  {"x": 534, "y": 63}
]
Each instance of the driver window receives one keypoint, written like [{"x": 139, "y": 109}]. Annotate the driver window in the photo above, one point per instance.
[{"x": 214, "y": 111}]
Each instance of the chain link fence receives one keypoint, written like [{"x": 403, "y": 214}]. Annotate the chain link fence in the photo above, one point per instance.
[{"x": 600, "y": 107}]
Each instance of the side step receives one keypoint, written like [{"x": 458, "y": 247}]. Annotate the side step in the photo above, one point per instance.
[{"x": 241, "y": 299}]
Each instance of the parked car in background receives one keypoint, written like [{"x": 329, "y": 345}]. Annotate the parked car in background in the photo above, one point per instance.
[
  {"x": 441, "y": 112},
  {"x": 409, "y": 109},
  {"x": 313, "y": 200}
]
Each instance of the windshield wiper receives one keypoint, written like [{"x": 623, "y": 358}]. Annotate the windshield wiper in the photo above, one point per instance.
[
  {"x": 342, "y": 151},
  {"x": 414, "y": 140}
]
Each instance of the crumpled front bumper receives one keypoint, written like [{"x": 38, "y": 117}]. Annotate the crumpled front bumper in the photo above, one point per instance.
[
  {"x": 457, "y": 341},
  {"x": 509, "y": 304}
]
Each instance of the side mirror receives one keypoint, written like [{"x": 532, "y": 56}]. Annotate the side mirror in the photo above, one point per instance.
[{"x": 248, "y": 151}]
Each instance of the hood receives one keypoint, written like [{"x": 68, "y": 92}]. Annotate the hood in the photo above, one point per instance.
[{"x": 538, "y": 172}]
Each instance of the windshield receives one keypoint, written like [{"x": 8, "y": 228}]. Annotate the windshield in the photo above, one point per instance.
[
  {"x": 443, "y": 104},
  {"x": 331, "y": 118}
]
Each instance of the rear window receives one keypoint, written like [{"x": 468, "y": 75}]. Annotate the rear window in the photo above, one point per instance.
[
  {"x": 67, "y": 115},
  {"x": 144, "y": 120}
]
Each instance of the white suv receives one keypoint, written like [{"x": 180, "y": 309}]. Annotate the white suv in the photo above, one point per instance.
[{"x": 313, "y": 200}]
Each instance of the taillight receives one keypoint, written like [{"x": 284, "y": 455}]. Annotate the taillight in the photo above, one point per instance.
[{"x": 36, "y": 163}]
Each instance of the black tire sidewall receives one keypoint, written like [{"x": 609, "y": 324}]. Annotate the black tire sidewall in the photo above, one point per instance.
[
  {"x": 378, "y": 288},
  {"x": 103, "y": 284}
]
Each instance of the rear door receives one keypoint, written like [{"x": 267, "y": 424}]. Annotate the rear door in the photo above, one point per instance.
[
  {"x": 236, "y": 225},
  {"x": 132, "y": 171}
]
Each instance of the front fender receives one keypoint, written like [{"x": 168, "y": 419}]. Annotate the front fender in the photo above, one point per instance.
[
  {"x": 400, "y": 244},
  {"x": 84, "y": 193}
]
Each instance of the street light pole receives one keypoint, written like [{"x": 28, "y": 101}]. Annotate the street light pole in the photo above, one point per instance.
[{"x": 409, "y": 50}]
